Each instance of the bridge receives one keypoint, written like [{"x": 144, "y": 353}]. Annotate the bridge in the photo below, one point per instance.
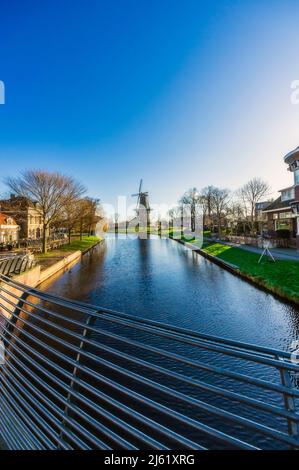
[{"x": 77, "y": 376}]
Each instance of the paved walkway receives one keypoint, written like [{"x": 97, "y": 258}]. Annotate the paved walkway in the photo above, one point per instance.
[{"x": 278, "y": 253}]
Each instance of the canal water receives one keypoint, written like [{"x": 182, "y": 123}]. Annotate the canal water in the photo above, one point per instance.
[{"x": 160, "y": 279}]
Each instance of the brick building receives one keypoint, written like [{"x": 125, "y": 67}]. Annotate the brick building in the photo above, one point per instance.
[
  {"x": 9, "y": 229},
  {"x": 26, "y": 215},
  {"x": 283, "y": 213}
]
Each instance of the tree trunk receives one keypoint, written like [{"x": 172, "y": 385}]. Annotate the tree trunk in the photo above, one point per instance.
[
  {"x": 70, "y": 234},
  {"x": 44, "y": 239},
  {"x": 81, "y": 227}
]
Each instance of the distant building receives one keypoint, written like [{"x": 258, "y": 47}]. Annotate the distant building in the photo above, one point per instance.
[
  {"x": 26, "y": 215},
  {"x": 283, "y": 213},
  {"x": 9, "y": 229}
]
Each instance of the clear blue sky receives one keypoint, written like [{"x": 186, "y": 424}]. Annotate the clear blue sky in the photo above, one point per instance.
[{"x": 180, "y": 92}]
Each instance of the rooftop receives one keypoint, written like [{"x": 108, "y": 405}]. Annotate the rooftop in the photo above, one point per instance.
[
  {"x": 278, "y": 204},
  {"x": 292, "y": 156}
]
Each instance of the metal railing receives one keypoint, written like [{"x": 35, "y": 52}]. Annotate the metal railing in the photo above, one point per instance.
[
  {"x": 35, "y": 245},
  {"x": 77, "y": 376},
  {"x": 16, "y": 264}
]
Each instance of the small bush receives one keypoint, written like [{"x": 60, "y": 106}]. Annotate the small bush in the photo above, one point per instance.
[{"x": 283, "y": 233}]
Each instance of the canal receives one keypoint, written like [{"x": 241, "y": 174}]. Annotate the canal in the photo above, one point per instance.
[{"x": 160, "y": 279}]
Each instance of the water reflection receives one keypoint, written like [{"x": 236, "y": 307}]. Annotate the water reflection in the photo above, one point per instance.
[{"x": 162, "y": 280}]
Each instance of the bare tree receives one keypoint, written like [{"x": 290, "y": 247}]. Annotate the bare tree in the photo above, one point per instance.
[
  {"x": 191, "y": 199},
  {"x": 250, "y": 194},
  {"x": 236, "y": 215},
  {"x": 219, "y": 204},
  {"x": 91, "y": 213},
  {"x": 50, "y": 191},
  {"x": 206, "y": 202}
]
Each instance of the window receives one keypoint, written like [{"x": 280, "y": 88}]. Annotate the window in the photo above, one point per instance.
[
  {"x": 282, "y": 225},
  {"x": 296, "y": 177},
  {"x": 288, "y": 194},
  {"x": 285, "y": 215}
]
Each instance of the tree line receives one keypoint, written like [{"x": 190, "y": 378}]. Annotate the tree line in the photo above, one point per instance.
[
  {"x": 220, "y": 205},
  {"x": 59, "y": 200}
]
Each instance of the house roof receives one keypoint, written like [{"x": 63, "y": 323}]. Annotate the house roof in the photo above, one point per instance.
[
  {"x": 4, "y": 217},
  {"x": 278, "y": 204},
  {"x": 286, "y": 189},
  {"x": 292, "y": 156}
]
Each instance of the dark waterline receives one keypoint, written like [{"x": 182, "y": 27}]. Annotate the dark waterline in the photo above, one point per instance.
[{"x": 161, "y": 280}]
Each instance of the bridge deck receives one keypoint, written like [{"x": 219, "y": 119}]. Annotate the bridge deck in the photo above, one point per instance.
[{"x": 80, "y": 377}]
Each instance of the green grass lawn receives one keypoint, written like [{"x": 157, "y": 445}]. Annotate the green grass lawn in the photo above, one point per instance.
[
  {"x": 80, "y": 245},
  {"x": 75, "y": 245},
  {"x": 281, "y": 277}
]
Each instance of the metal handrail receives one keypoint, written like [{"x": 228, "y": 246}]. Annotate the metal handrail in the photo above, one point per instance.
[{"x": 77, "y": 376}]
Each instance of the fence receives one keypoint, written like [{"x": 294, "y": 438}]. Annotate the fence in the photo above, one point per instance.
[
  {"x": 36, "y": 245},
  {"x": 77, "y": 376}
]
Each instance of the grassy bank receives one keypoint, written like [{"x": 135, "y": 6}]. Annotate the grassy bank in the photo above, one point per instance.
[
  {"x": 281, "y": 277},
  {"x": 51, "y": 257}
]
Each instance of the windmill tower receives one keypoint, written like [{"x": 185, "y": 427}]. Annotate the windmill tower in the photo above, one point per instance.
[{"x": 142, "y": 207}]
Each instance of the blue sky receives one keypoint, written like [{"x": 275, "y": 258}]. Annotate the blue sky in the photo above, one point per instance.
[{"x": 180, "y": 93}]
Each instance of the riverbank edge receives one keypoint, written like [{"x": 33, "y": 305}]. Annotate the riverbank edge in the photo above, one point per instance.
[
  {"x": 35, "y": 276},
  {"x": 237, "y": 272},
  {"x": 62, "y": 265}
]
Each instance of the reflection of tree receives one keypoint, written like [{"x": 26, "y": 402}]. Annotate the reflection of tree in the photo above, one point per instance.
[{"x": 79, "y": 282}]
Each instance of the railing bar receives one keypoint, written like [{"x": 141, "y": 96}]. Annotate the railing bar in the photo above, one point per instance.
[
  {"x": 6, "y": 415},
  {"x": 269, "y": 385},
  {"x": 181, "y": 338},
  {"x": 202, "y": 405},
  {"x": 225, "y": 372},
  {"x": 24, "y": 416},
  {"x": 93, "y": 310},
  {"x": 40, "y": 420},
  {"x": 80, "y": 412},
  {"x": 200, "y": 365},
  {"x": 208, "y": 345},
  {"x": 290, "y": 405},
  {"x": 54, "y": 407},
  {"x": 170, "y": 412},
  {"x": 249, "y": 401},
  {"x": 10, "y": 440},
  {"x": 143, "y": 419},
  {"x": 243, "y": 399},
  {"x": 202, "y": 385},
  {"x": 257, "y": 382}
]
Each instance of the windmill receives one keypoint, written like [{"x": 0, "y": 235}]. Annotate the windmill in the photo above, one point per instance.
[{"x": 142, "y": 206}]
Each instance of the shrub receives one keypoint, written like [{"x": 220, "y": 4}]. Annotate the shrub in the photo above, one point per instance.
[{"x": 283, "y": 233}]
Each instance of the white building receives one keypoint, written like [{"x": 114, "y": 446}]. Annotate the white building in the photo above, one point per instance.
[{"x": 9, "y": 230}]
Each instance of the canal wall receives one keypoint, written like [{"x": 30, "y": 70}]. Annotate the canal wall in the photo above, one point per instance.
[
  {"x": 255, "y": 281},
  {"x": 36, "y": 276}
]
